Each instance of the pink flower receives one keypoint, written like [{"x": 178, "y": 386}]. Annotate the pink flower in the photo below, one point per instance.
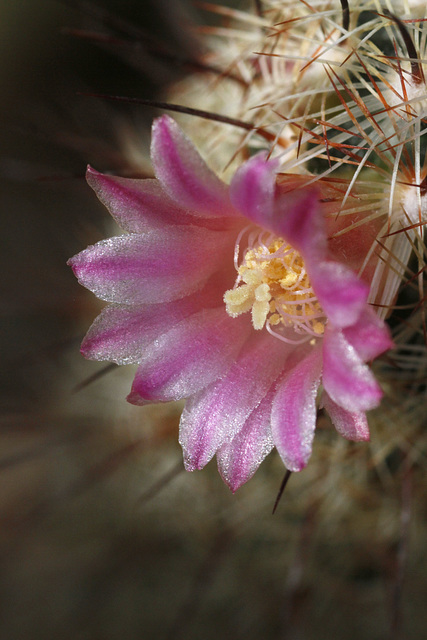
[{"x": 228, "y": 296}]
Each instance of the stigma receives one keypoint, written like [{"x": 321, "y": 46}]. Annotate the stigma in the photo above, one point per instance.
[{"x": 272, "y": 283}]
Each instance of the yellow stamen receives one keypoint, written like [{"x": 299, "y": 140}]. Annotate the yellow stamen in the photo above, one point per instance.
[{"x": 273, "y": 284}]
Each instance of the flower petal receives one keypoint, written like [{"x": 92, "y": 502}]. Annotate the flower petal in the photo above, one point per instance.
[
  {"x": 121, "y": 332},
  {"x": 189, "y": 357},
  {"x": 348, "y": 381},
  {"x": 352, "y": 425},
  {"x": 340, "y": 292},
  {"x": 239, "y": 459},
  {"x": 351, "y": 238},
  {"x": 216, "y": 414},
  {"x": 293, "y": 415},
  {"x": 184, "y": 174},
  {"x": 370, "y": 336},
  {"x": 298, "y": 219},
  {"x": 137, "y": 205},
  {"x": 158, "y": 266},
  {"x": 253, "y": 187}
]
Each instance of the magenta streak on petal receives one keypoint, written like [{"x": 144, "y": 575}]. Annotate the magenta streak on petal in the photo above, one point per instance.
[
  {"x": 369, "y": 335},
  {"x": 159, "y": 266},
  {"x": 190, "y": 356},
  {"x": 239, "y": 459},
  {"x": 184, "y": 174},
  {"x": 298, "y": 219},
  {"x": 121, "y": 332},
  {"x": 137, "y": 205},
  {"x": 342, "y": 295},
  {"x": 253, "y": 187},
  {"x": 293, "y": 415},
  {"x": 216, "y": 414},
  {"x": 348, "y": 381},
  {"x": 351, "y": 425}
]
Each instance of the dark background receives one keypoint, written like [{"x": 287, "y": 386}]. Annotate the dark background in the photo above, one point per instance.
[{"x": 102, "y": 534}]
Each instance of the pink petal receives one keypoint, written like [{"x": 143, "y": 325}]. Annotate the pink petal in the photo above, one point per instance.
[
  {"x": 189, "y": 357},
  {"x": 158, "y": 266},
  {"x": 298, "y": 219},
  {"x": 216, "y": 414},
  {"x": 137, "y": 205},
  {"x": 295, "y": 217},
  {"x": 239, "y": 459},
  {"x": 122, "y": 333},
  {"x": 348, "y": 381},
  {"x": 351, "y": 425},
  {"x": 293, "y": 415},
  {"x": 184, "y": 174},
  {"x": 370, "y": 336},
  {"x": 342, "y": 295},
  {"x": 253, "y": 187},
  {"x": 357, "y": 241}
]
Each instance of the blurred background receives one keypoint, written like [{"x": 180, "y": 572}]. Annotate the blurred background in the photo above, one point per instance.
[{"x": 102, "y": 534}]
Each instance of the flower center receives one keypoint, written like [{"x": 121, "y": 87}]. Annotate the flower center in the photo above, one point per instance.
[{"x": 273, "y": 284}]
